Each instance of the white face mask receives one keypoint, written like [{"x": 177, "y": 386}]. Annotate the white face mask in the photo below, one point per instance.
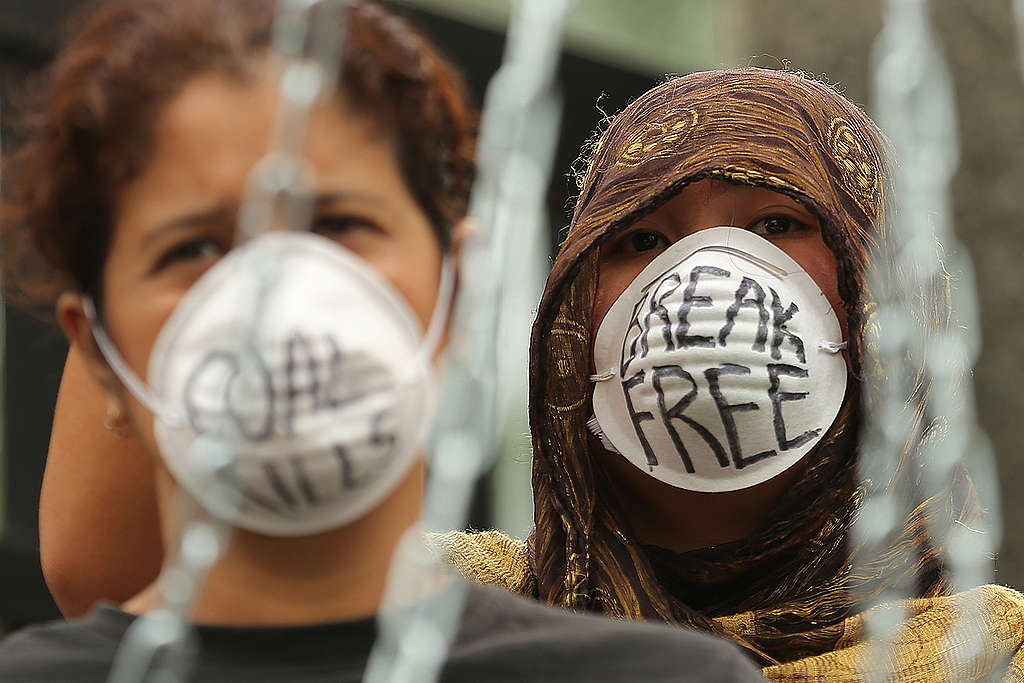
[
  {"x": 719, "y": 366},
  {"x": 307, "y": 420}
]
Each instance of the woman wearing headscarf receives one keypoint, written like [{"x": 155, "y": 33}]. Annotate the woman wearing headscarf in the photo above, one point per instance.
[{"x": 629, "y": 519}]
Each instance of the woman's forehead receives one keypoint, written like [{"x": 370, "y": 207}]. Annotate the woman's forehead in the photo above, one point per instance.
[
  {"x": 711, "y": 193},
  {"x": 212, "y": 134},
  {"x": 709, "y": 189}
]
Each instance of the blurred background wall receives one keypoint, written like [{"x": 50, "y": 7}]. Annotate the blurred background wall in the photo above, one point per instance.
[{"x": 614, "y": 51}]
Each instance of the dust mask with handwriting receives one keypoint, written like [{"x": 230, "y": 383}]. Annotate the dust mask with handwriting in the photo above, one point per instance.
[
  {"x": 291, "y": 386},
  {"x": 720, "y": 366}
]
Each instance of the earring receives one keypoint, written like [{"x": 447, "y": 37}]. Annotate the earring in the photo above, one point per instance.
[{"x": 115, "y": 422}]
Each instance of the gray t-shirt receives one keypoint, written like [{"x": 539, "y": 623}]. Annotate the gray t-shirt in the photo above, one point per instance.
[{"x": 502, "y": 637}]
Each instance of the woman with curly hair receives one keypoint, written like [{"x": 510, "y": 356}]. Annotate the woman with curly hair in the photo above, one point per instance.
[{"x": 298, "y": 430}]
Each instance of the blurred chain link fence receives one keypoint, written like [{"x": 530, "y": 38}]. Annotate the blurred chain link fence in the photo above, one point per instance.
[
  {"x": 979, "y": 40},
  {"x": 939, "y": 186},
  {"x": 913, "y": 102},
  {"x": 519, "y": 130}
]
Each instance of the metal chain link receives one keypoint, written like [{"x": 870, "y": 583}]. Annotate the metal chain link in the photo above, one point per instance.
[
  {"x": 914, "y": 104},
  {"x": 521, "y": 114}
]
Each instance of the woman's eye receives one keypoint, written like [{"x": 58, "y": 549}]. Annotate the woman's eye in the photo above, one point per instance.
[
  {"x": 192, "y": 251},
  {"x": 335, "y": 226},
  {"x": 775, "y": 225},
  {"x": 645, "y": 240}
]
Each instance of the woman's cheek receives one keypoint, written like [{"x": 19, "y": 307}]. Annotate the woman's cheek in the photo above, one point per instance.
[
  {"x": 819, "y": 262},
  {"x": 611, "y": 283}
]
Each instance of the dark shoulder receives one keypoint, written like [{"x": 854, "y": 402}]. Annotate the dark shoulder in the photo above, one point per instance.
[
  {"x": 509, "y": 638},
  {"x": 80, "y": 650}
]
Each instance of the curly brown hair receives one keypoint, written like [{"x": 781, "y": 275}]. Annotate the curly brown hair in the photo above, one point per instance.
[{"x": 91, "y": 131}]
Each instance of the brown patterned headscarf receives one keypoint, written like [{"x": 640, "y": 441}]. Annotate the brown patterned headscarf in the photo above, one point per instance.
[{"x": 799, "y": 576}]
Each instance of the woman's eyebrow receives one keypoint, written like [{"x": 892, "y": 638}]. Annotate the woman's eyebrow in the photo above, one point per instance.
[
  {"x": 782, "y": 205},
  {"x": 213, "y": 216},
  {"x": 327, "y": 198},
  {"x": 226, "y": 214}
]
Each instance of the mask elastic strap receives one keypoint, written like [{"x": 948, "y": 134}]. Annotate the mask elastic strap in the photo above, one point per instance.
[
  {"x": 831, "y": 346},
  {"x": 442, "y": 312},
  {"x": 142, "y": 393}
]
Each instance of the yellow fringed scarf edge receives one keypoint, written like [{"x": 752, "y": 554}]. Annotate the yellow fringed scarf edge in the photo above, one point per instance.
[
  {"x": 926, "y": 649},
  {"x": 488, "y": 557}
]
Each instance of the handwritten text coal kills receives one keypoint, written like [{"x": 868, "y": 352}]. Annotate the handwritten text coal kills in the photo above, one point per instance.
[{"x": 305, "y": 383}]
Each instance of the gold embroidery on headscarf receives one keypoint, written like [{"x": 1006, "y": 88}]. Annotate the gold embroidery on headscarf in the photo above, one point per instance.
[
  {"x": 565, "y": 340},
  {"x": 568, "y": 408},
  {"x": 859, "y": 174},
  {"x": 575, "y": 581},
  {"x": 658, "y": 138},
  {"x": 748, "y": 176},
  {"x": 569, "y": 343}
]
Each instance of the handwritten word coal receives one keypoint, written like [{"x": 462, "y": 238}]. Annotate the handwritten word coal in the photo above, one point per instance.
[
  {"x": 260, "y": 395},
  {"x": 663, "y": 316},
  {"x": 260, "y": 392}
]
